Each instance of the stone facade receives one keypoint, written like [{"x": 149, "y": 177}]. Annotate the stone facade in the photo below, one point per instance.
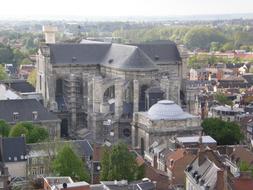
[
  {"x": 161, "y": 124},
  {"x": 87, "y": 95}
]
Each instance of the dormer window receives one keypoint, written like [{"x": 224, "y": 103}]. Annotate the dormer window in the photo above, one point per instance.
[
  {"x": 110, "y": 61},
  {"x": 15, "y": 116},
  {"x": 35, "y": 115},
  {"x": 74, "y": 59}
]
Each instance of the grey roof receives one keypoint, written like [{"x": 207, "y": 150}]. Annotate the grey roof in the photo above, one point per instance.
[
  {"x": 161, "y": 51},
  {"x": 20, "y": 86},
  {"x": 195, "y": 139},
  {"x": 13, "y": 149},
  {"x": 24, "y": 107},
  {"x": 78, "y": 53},
  {"x": 146, "y": 185},
  {"x": 83, "y": 147},
  {"x": 205, "y": 172},
  {"x": 127, "y": 57},
  {"x": 119, "y": 56}
]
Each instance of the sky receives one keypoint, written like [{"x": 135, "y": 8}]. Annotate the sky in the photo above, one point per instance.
[{"x": 121, "y": 8}]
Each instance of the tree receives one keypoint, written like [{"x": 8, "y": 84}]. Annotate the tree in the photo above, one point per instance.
[
  {"x": 33, "y": 133},
  {"x": 222, "y": 99},
  {"x": 37, "y": 134},
  {"x": 4, "y": 128},
  {"x": 25, "y": 61},
  {"x": 32, "y": 77},
  {"x": 105, "y": 163},
  {"x": 67, "y": 163},
  {"x": 3, "y": 74},
  {"x": 119, "y": 164},
  {"x": 18, "y": 130},
  {"x": 225, "y": 133}
]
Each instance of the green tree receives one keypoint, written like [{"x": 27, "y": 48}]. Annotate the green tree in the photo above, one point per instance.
[
  {"x": 37, "y": 134},
  {"x": 25, "y": 61},
  {"x": 18, "y": 130},
  {"x": 222, "y": 99},
  {"x": 4, "y": 128},
  {"x": 225, "y": 133},
  {"x": 33, "y": 133},
  {"x": 3, "y": 74},
  {"x": 119, "y": 164},
  {"x": 6, "y": 54},
  {"x": 32, "y": 77},
  {"x": 67, "y": 163},
  {"x": 105, "y": 163}
]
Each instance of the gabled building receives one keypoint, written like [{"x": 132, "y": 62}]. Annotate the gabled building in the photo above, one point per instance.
[
  {"x": 14, "y": 156},
  {"x": 29, "y": 110},
  {"x": 207, "y": 172},
  {"x": 18, "y": 89},
  {"x": 176, "y": 163}
]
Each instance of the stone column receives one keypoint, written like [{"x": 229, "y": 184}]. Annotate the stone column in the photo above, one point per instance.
[
  {"x": 184, "y": 56},
  {"x": 136, "y": 95},
  {"x": 147, "y": 143},
  {"x": 165, "y": 86},
  {"x": 72, "y": 78},
  {"x": 85, "y": 92},
  {"x": 118, "y": 99},
  {"x": 97, "y": 93}
]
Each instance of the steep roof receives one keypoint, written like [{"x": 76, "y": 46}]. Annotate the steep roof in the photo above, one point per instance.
[
  {"x": 127, "y": 57},
  {"x": 13, "y": 149},
  {"x": 25, "y": 109},
  {"x": 88, "y": 53},
  {"x": 20, "y": 86},
  {"x": 160, "y": 51},
  {"x": 120, "y": 56}
]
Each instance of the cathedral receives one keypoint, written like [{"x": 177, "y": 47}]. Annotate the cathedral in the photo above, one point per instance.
[{"x": 98, "y": 85}]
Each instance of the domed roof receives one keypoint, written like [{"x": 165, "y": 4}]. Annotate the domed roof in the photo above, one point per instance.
[{"x": 166, "y": 109}]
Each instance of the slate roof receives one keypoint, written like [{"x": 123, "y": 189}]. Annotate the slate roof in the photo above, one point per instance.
[
  {"x": 119, "y": 56},
  {"x": 20, "y": 86},
  {"x": 83, "y": 147},
  {"x": 13, "y": 149},
  {"x": 127, "y": 57},
  {"x": 24, "y": 107},
  {"x": 78, "y": 53},
  {"x": 160, "y": 51}
]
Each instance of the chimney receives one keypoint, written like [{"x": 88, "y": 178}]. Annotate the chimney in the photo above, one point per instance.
[
  {"x": 15, "y": 116},
  {"x": 49, "y": 32},
  {"x": 221, "y": 180},
  {"x": 64, "y": 185},
  {"x": 35, "y": 115}
]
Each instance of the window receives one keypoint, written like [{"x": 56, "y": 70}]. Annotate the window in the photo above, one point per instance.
[
  {"x": 15, "y": 116},
  {"x": 41, "y": 170},
  {"x": 34, "y": 171},
  {"x": 35, "y": 115}
]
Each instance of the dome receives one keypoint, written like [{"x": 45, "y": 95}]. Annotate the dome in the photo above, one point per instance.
[{"x": 165, "y": 109}]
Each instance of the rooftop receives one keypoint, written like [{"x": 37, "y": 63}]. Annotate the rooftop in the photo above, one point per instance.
[
  {"x": 120, "y": 56},
  {"x": 21, "y": 86},
  {"x": 13, "y": 149},
  {"x": 195, "y": 139},
  {"x": 24, "y": 109},
  {"x": 167, "y": 110}
]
